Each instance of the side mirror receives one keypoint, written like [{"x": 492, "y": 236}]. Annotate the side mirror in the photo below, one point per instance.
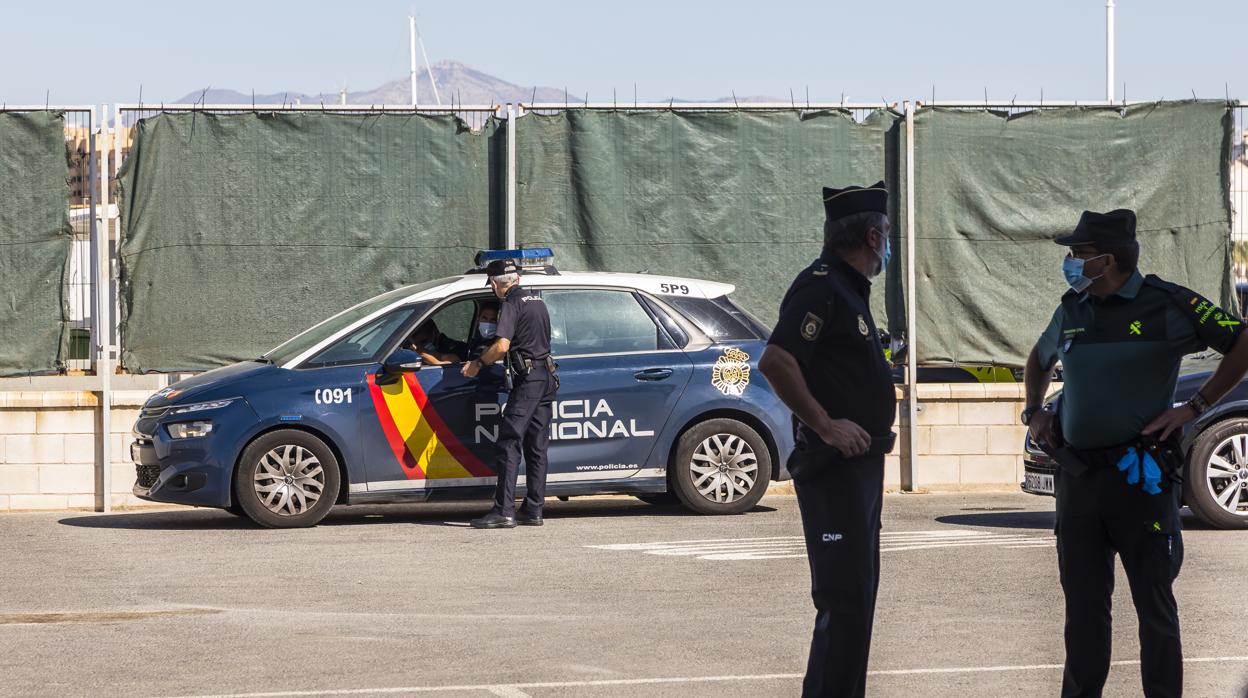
[{"x": 403, "y": 361}]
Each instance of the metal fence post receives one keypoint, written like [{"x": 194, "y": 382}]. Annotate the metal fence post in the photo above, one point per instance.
[
  {"x": 102, "y": 272},
  {"x": 909, "y": 453},
  {"x": 511, "y": 176}
]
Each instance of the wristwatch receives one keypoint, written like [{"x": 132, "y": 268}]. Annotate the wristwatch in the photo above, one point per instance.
[
  {"x": 1198, "y": 403},
  {"x": 1027, "y": 414}
]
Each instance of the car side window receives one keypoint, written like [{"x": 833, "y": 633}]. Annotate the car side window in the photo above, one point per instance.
[
  {"x": 455, "y": 320},
  {"x": 362, "y": 345},
  {"x": 721, "y": 321},
  {"x": 588, "y": 321}
]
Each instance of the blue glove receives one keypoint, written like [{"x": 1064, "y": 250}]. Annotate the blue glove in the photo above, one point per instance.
[{"x": 1131, "y": 464}]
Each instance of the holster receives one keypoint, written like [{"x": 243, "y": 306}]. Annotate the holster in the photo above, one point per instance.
[
  {"x": 1168, "y": 454},
  {"x": 519, "y": 365}
]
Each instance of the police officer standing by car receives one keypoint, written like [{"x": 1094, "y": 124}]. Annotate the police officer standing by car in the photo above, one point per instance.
[
  {"x": 824, "y": 360},
  {"x": 522, "y": 339},
  {"x": 1120, "y": 337}
]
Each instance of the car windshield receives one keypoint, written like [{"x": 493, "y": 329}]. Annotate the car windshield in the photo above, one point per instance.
[{"x": 309, "y": 338}]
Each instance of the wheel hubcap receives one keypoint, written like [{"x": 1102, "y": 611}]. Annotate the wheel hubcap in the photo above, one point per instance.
[
  {"x": 724, "y": 468},
  {"x": 289, "y": 480},
  {"x": 1227, "y": 477}
]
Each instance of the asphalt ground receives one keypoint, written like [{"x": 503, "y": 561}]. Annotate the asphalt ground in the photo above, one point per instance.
[{"x": 605, "y": 600}]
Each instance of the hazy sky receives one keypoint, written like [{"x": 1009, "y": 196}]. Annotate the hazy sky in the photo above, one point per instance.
[{"x": 97, "y": 52}]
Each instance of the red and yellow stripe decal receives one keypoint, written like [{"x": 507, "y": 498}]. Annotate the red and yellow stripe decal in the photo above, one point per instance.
[{"x": 421, "y": 441}]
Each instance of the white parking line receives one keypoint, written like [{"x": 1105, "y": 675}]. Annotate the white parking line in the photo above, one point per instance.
[
  {"x": 783, "y": 547},
  {"x": 517, "y": 689}
]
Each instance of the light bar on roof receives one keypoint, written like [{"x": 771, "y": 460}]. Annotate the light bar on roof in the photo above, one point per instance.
[{"x": 525, "y": 258}]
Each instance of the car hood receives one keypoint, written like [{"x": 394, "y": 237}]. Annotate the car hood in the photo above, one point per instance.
[{"x": 201, "y": 385}]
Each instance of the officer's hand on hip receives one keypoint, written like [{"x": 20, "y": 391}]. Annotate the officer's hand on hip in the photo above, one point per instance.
[
  {"x": 470, "y": 369},
  {"x": 1170, "y": 421},
  {"x": 1041, "y": 427},
  {"x": 845, "y": 436}
]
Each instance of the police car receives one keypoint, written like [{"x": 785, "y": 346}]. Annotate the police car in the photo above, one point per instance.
[
  {"x": 660, "y": 398},
  {"x": 1215, "y": 474}
]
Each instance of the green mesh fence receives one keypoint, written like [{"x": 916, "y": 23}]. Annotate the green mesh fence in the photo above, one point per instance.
[
  {"x": 242, "y": 230},
  {"x": 35, "y": 241},
  {"x": 725, "y": 196},
  {"x": 992, "y": 191}
]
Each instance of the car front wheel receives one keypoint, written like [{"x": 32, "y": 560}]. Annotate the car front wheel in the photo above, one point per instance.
[
  {"x": 721, "y": 466},
  {"x": 287, "y": 479},
  {"x": 1217, "y": 475}
]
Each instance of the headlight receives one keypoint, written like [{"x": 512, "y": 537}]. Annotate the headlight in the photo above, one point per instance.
[
  {"x": 189, "y": 430},
  {"x": 202, "y": 406}
]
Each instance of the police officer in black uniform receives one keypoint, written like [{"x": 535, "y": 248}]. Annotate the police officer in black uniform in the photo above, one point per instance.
[
  {"x": 824, "y": 360},
  {"x": 1120, "y": 337},
  {"x": 523, "y": 340}
]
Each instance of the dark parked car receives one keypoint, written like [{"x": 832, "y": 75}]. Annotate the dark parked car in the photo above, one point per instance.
[{"x": 1215, "y": 474}]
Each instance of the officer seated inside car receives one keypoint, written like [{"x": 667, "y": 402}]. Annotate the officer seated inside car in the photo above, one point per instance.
[
  {"x": 485, "y": 330},
  {"x": 435, "y": 348}
]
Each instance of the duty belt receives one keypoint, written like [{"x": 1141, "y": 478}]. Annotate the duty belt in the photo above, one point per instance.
[{"x": 1077, "y": 461}]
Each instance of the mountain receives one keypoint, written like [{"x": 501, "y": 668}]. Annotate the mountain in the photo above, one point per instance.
[{"x": 455, "y": 81}]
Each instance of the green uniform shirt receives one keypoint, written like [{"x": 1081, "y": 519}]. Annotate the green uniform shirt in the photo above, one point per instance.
[{"x": 1120, "y": 355}]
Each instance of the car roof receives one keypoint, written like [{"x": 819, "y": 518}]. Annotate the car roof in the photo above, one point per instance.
[
  {"x": 651, "y": 283},
  {"x": 437, "y": 289}
]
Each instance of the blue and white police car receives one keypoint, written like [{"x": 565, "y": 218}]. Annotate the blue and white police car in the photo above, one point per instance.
[{"x": 660, "y": 398}]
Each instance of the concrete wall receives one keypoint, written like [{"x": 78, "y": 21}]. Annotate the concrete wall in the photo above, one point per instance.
[
  {"x": 48, "y": 452},
  {"x": 968, "y": 437}
]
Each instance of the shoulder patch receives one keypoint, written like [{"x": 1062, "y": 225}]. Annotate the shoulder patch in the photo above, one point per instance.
[{"x": 812, "y": 325}]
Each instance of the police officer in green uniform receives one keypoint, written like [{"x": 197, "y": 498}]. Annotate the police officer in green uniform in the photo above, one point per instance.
[
  {"x": 1120, "y": 337},
  {"x": 824, "y": 360}
]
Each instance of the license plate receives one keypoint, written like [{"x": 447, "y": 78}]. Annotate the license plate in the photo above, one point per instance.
[
  {"x": 1038, "y": 482},
  {"x": 134, "y": 451}
]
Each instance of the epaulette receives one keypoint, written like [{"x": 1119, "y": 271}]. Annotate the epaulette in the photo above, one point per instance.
[
  {"x": 1158, "y": 282},
  {"x": 821, "y": 270}
]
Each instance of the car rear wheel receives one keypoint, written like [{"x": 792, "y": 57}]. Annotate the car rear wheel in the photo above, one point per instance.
[
  {"x": 721, "y": 466},
  {"x": 1216, "y": 485},
  {"x": 287, "y": 479}
]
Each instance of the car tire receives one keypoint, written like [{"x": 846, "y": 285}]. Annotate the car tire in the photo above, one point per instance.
[
  {"x": 1218, "y": 461},
  {"x": 721, "y": 466},
  {"x": 287, "y": 479},
  {"x": 659, "y": 499}
]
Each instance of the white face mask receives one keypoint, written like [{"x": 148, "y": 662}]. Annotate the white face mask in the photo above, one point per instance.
[{"x": 487, "y": 329}]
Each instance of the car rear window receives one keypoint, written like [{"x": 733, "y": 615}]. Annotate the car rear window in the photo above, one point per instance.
[{"x": 719, "y": 318}]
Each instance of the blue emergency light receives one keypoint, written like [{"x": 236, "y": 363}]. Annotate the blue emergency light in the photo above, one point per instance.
[{"x": 525, "y": 258}]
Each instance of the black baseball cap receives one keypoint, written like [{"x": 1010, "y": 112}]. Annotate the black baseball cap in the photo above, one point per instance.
[
  {"x": 1115, "y": 227},
  {"x": 499, "y": 267}
]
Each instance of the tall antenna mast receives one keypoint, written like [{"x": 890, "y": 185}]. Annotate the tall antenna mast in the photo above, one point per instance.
[
  {"x": 411, "y": 31},
  {"x": 1109, "y": 50},
  {"x": 428, "y": 68}
]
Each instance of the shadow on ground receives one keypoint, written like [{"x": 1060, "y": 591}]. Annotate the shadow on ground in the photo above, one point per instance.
[
  {"x": 1002, "y": 518},
  {"x": 457, "y": 514}
]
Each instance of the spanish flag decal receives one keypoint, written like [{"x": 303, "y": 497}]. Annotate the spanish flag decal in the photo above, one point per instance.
[{"x": 421, "y": 441}]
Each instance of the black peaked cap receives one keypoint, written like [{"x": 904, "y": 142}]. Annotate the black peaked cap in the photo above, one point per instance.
[{"x": 839, "y": 203}]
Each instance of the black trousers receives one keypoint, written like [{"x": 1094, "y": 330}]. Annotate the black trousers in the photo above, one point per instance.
[
  {"x": 525, "y": 431},
  {"x": 841, "y": 502},
  {"x": 1098, "y": 515}
]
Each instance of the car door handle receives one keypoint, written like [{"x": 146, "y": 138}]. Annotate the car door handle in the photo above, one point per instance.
[{"x": 653, "y": 374}]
